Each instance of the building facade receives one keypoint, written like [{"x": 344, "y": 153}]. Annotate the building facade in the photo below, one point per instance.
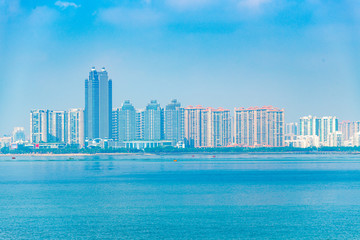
[
  {"x": 321, "y": 127},
  {"x": 38, "y": 126},
  {"x": 115, "y": 124},
  {"x": 140, "y": 124},
  {"x": 217, "y": 127},
  {"x": 98, "y": 105},
  {"x": 127, "y": 122},
  {"x": 18, "y": 134},
  {"x": 76, "y": 127},
  {"x": 335, "y": 139},
  {"x": 309, "y": 126},
  {"x": 174, "y": 122},
  {"x": 56, "y": 126},
  {"x": 292, "y": 129},
  {"x": 153, "y": 121},
  {"x": 328, "y": 126},
  {"x": 193, "y": 121},
  {"x": 349, "y": 132},
  {"x": 256, "y": 126}
]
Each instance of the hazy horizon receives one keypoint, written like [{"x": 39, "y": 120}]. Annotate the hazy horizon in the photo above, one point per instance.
[{"x": 232, "y": 53}]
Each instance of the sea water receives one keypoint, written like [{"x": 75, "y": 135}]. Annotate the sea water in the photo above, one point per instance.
[{"x": 256, "y": 196}]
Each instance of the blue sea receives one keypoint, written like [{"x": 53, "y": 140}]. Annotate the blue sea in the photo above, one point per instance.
[{"x": 255, "y": 196}]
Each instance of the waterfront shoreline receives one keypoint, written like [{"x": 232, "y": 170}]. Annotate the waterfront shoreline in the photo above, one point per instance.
[
  {"x": 179, "y": 153},
  {"x": 68, "y": 154}
]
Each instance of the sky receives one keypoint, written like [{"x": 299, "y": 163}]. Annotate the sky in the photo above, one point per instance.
[{"x": 302, "y": 56}]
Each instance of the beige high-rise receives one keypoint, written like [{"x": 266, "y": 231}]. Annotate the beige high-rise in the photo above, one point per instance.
[{"x": 257, "y": 126}]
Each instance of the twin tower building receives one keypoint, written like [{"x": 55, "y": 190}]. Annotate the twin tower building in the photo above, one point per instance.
[{"x": 154, "y": 126}]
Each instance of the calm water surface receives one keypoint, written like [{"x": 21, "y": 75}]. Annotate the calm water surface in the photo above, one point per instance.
[{"x": 200, "y": 197}]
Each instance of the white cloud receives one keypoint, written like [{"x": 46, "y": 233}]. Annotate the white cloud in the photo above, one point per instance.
[
  {"x": 253, "y": 4},
  {"x": 188, "y": 4},
  {"x": 65, "y": 5},
  {"x": 129, "y": 17}
]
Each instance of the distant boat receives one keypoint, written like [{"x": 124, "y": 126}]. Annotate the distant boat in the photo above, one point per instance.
[{"x": 13, "y": 158}]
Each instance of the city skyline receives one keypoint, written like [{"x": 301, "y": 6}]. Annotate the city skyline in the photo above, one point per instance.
[
  {"x": 98, "y": 124},
  {"x": 301, "y": 56},
  {"x": 174, "y": 125},
  {"x": 103, "y": 71}
]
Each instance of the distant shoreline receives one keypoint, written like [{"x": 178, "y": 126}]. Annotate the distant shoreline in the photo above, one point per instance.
[
  {"x": 69, "y": 154},
  {"x": 181, "y": 153}
]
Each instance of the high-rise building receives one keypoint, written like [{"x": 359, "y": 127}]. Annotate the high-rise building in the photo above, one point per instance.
[
  {"x": 204, "y": 127},
  {"x": 98, "y": 105},
  {"x": 291, "y": 134},
  {"x": 217, "y": 127},
  {"x": 321, "y": 127},
  {"x": 127, "y": 122},
  {"x": 115, "y": 124},
  {"x": 328, "y": 125},
  {"x": 18, "y": 134},
  {"x": 345, "y": 128},
  {"x": 76, "y": 128},
  {"x": 153, "y": 121},
  {"x": 259, "y": 126},
  {"x": 292, "y": 129},
  {"x": 335, "y": 139},
  {"x": 193, "y": 126},
  {"x": 356, "y": 139},
  {"x": 174, "y": 122},
  {"x": 140, "y": 124},
  {"x": 275, "y": 127},
  {"x": 349, "y": 129},
  {"x": 56, "y": 126},
  {"x": 38, "y": 126},
  {"x": 309, "y": 126}
]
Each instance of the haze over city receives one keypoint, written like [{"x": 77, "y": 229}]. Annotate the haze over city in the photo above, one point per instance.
[{"x": 299, "y": 56}]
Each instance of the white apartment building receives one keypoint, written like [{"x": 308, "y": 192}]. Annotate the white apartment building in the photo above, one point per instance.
[{"x": 76, "y": 128}]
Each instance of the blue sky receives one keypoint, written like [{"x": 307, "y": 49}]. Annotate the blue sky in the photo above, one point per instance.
[{"x": 299, "y": 55}]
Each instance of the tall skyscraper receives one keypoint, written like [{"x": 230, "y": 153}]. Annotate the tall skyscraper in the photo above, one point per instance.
[
  {"x": 98, "y": 105},
  {"x": 76, "y": 128},
  {"x": 193, "y": 126},
  {"x": 174, "y": 122},
  {"x": 38, "y": 126},
  {"x": 127, "y": 122},
  {"x": 153, "y": 121},
  {"x": 259, "y": 126}
]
